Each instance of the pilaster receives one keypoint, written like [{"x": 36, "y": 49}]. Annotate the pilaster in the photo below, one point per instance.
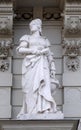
[
  {"x": 72, "y": 58},
  {"x": 6, "y": 30}
]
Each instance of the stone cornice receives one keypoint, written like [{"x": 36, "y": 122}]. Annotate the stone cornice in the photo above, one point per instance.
[
  {"x": 73, "y": 1},
  {"x": 6, "y": 1},
  {"x": 47, "y": 14}
]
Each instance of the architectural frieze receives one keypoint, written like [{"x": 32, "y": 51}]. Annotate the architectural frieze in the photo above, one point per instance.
[
  {"x": 28, "y": 14},
  {"x": 51, "y": 14},
  {"x": 23, "y": 14}
]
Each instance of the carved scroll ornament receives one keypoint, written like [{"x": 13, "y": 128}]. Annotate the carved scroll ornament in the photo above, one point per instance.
[
  {"x": 5, "y": 45},
  {"x": 72, "y": 47},
  {"x": 5, "y": 25},
  {"x": 73, "y": 25},
  {"x": 73, "y": 64},
  {"x": 4, "y": 65}
]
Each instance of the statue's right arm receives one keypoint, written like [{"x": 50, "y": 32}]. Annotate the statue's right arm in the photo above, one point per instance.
[
  {"x": 25, "y": 50},
  {"x": 23, "y": 47}
]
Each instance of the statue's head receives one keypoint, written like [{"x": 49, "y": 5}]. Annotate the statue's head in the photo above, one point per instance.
[{"x": 35, "y": 25}]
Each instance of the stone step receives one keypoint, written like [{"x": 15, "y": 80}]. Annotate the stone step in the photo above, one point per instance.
[{"x": 39, "y": 124}]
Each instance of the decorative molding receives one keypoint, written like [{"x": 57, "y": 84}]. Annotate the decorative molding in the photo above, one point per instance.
[
  {"x": 4, "y": 65},
  {"x": 73, "y": 7},
  {"x": 72, "y": 34},
  {"x": 5, "y": 46},
  {"x": 6, "y": 6},
  {"x": 72, "y": 47},
  {"x": 73, "y": 64},
  {"x": 6, "y": 32},
  {"x": 5, "y": 25},
  {"x": 28, "y": 14},
  {"x": 23, "y": 14},
  {"x": 51, "y": 14},
  {"x": 73, "y": 1},
  {"x": 6, "y": 17},
  {"x": 72, "y": 25},
  {"x": 5, "y": 1},
  {"x": 6, "y": 10},
  {"x": 73, "y": 11}
]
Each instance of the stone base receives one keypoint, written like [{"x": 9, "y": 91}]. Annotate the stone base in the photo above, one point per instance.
[
  {"x": 39, "y": 124},
  {"x": 46, "y": 116}
]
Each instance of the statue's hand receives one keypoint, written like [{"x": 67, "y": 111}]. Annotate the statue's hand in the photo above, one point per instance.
[
  {"x": 45, "y": 51},
  {"x": 39, "y": 52},
  {"x": 52, "y": 74},
  {"x": 36, "y": 52}
]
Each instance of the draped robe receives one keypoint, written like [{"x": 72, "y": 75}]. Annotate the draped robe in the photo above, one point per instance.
[{"x": 36, "y": 79}]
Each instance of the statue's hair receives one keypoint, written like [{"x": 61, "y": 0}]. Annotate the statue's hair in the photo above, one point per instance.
[{"x": 38, "y": 23}]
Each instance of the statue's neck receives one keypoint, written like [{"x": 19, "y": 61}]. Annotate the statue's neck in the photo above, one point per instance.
[{"x": 36, "y": 34}]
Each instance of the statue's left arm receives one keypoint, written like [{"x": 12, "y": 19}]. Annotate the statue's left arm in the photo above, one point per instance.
[{"x": 51, "y": 61}]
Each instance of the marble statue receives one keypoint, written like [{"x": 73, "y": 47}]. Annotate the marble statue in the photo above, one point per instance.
[{"x": 38, "y": 74}]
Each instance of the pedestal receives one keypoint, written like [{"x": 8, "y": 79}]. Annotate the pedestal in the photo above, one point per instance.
[
  {"x": 39, "y": 125},
  {"x": 46, "y": 116}
]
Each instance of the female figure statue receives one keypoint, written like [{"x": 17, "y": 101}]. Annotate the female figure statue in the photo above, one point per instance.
[{"x": 38, "y": 72}]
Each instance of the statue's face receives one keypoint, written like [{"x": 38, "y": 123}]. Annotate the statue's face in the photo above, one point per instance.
[{"x": 34, "y": 27}]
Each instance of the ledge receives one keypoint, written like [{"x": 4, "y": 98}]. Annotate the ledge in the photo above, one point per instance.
[{"x": 39, "y": 124}]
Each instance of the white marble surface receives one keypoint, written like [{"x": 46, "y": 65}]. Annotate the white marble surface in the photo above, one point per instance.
[
  {"x": 38, "y": 74},
  {"x": 46, "y": 116}
]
